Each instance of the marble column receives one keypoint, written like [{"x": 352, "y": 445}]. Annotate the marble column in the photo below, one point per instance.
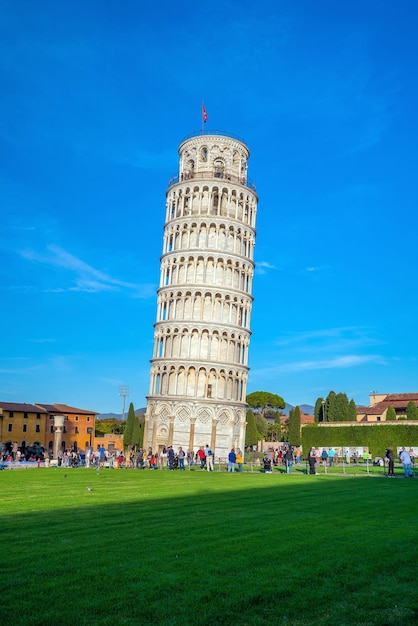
[{"x": 59, "y": 427}]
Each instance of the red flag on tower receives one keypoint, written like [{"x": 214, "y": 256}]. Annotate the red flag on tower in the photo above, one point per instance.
[{"x": 204, "y": 114}]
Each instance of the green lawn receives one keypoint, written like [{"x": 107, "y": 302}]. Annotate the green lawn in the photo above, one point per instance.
[{"x": 171, "y": 548}]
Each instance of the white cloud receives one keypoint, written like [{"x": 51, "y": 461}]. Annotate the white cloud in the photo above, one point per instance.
[
  {"x": 85, "y": 277},
  {"x": 340, "y": 362},
  {"x": 331, "y": 338},
  {"x": 262, "y": 266}
]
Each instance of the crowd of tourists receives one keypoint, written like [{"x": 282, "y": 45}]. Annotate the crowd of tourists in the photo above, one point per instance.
[
  {"x": 204, "y": 458},
  {"x": 167, "y": 457},
  {"x": 284, "y": 456}
]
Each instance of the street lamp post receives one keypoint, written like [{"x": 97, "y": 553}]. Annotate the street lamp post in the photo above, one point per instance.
[{"x": 124, "y": 392}]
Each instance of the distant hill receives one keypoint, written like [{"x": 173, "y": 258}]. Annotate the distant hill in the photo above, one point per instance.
[
  {"x": 305, "y": 409},
  {"x": 118, "y": 416}
]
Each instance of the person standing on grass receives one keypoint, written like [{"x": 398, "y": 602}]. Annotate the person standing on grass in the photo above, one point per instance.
[
  {"x": 209, "y": 458},
  {"x": 324, "y": 459},
  {"x": 331, "y": 455},
  {"x": 390, "y": 461},
  {"x": 288, "y": 459},
  {"x": 181, "y": 455},
  {"x": 406, "y": 462},
  {"x": 202, "y": 457},
  {"x": 238, "y": 459},
  {"x": 190, "y": 458},
  {"x": 232, "y": 458},
  {"x": 102, "y": 455},
  {"x": 312, "y": 460},
  {"x": 170, "y": 453}
]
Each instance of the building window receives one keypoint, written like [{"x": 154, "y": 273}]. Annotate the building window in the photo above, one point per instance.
[
  {"x": 76, "y": 430},
  {"x": 209, "y": 391},
  {"x": 25, "y": 428},
  {"x": 218, "y": 168},
  {"x": 10, "y": 428},
  {"x": 51, "y": 429},
  {"x": 76, "y": 418},
  {"x": 38, "y": 416},
  {"x": 64, "y": 429},
  {"x": 25, "y": 415},
  {"x": 38, "y": 428},
  {"x": 10, "y": 413},
  {"x": 88, "y": 418}
]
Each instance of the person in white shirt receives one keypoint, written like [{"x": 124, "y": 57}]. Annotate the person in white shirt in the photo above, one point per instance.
[
  {"x": 209, "y": 458},
  {"x": 406, "y": 462}
]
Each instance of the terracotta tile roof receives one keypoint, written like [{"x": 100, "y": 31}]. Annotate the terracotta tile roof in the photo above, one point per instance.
[
  {"x": 377, "y": 409},
  {"x": 304, "y": 419},
  {"x": 64, "y": 408},
  {"x": 401, "y": 397},
  {"x": 21, "y": 406},
  {"x": 307, "y": 419}
]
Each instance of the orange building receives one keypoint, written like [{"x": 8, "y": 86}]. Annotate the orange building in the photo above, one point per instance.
[{"x": 79, "y": 426}]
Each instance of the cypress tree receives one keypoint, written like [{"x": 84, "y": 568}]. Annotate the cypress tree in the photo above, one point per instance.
[
  {"x": 390, "y": 414},
  {"x": 352, "y": 411},
  {"x": 251, "y": 437},
  {"x": 341, "y": 407},
  {"x": 330, "y": 407},
  {"x": 129, "y": 426},
  {"x": 411, "y": 411},
  {"x": 318, "y": 411},
  {"x": 294, "y": 426},
  {"x": 138, "y": 431}
]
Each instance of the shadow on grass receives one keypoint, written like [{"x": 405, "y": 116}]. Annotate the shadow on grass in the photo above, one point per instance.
[{"x": 175, "y": 548}]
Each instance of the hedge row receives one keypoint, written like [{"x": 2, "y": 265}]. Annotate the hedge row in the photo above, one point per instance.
[{"x": 376, "y": 437}]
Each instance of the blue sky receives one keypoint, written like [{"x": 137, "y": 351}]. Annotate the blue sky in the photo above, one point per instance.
[{"x": 95, "y": 99}]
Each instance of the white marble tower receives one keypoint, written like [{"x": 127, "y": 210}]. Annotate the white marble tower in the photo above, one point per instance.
[{"x": 199, "y": 367}]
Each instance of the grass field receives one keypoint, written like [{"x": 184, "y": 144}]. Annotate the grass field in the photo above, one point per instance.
[{"x": 170, "y": 548}]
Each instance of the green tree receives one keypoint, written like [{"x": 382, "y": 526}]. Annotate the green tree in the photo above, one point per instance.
[
  {"x": 319, "y": 410},
  {"x": 411, "y": 411},
  {"x": 390, "y": 414},
  {"x": 262, "y": 426},
  {"x": 106, "y": 427},
  {"x": 265, "y": 401},
  {"x": 352, "y": 411},
  {"x": 138, "y": 431},
  {"x": 278, "y": 424},
  {"x": 251, "y": 436},
  {"x": 330, "y": 407},
  {"x": 341, "y": 407},
  {"x": 294, "y": 426},
  {"x": 129, "y": 426}
]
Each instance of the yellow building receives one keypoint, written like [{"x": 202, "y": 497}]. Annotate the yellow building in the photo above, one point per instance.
[
  {"x": 32, "y": 426},
  {"x": 22, "y": 424},
  {"x": 379, "y": 404}
]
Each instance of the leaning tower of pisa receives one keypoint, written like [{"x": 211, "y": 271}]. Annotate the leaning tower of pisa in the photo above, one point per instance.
[{"x": 199, "y": 367}]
